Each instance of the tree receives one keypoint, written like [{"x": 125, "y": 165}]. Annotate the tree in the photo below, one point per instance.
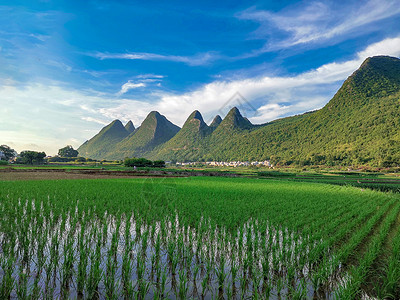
[
  {"x": 159, "y": 164},
  {"x": 8, "y": 152},
  {"x": 138, "y": 162},
  {"x": 31, "y": 157},
  {"x": 68, "y": 151}
]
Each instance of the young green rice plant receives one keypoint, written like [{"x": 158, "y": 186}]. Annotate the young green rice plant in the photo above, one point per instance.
[
  {"x": 96, "y": 273},
  {"x": 109, "y": 278},
  {"x": 22, "y": 286},
  {"x": 67, "y": 267},
  {"x": 128, "y": 288},
  {"x": 83, "y": 262},
  {"x": 8, "y": 281},
  {"x": 183, "y": 285},
  {"x": 359, "y": 273}
]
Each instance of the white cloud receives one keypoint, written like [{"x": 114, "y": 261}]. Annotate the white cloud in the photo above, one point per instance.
[
  {"x": 47, "y": 116},
  {"x": 90, "y": 119},
  {"x": 317, "y": 21},
  {"x": 129, "y": 86},
  {"x": 150, "y": 76},
  {"x": 194, "y": 60}
]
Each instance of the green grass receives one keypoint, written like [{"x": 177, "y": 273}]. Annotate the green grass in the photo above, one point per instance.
[{"x": 191, "y": 237}]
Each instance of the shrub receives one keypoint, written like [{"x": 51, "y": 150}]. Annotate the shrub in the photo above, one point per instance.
[
  {"x": 159, "y": 164},
  {"x": 138, "y": 162}
]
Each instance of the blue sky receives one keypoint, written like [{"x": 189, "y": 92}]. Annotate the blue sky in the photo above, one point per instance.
[{"x": 70, "y": 67}]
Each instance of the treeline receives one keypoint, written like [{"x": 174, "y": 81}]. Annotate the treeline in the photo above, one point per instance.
[{"x": 143, "y": 162}]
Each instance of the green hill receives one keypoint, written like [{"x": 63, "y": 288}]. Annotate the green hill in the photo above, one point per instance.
[
  {"x": 103, "y": 142},
  {"x": 360, "y": 125},
  {"x": 188, "y": 143},
  {"x": 215, "y": 122},
  {"x": 154, "y": 130},
  {"x": 129, "y": 127}
]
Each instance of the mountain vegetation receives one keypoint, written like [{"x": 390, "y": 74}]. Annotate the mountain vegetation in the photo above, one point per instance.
[
  {"x": 104, "y": 142},
  {"x": 129, "y": 127},
  {"x": 154, "y": 130},
  {"x": 360, "y": 125}
]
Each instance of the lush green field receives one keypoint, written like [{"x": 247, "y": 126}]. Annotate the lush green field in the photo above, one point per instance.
[{"x": 197, "y": 237}]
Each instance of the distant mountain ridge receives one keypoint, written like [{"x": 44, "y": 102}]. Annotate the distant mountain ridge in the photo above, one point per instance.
[{"x": 359, "y": 125}]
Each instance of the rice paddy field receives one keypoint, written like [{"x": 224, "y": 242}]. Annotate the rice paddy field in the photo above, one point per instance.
[{"x": 197, "y": 237}]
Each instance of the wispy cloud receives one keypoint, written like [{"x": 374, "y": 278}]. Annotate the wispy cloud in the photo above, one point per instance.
[
  {"x": 91, "y": 119},
  {"x": 129, "y": 86},
  {"x": 150, "y": 76},
  {"x": 317, "y": 21},
  {"x": 142, "y": 80},
  {"x": 194, "y": 60}
]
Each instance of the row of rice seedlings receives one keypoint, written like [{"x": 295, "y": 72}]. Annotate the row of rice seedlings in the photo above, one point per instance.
[
  {"x": 350, "y": 289},
  {"x": 330, "y": 269},
  {"x": 390, "y": 288}
]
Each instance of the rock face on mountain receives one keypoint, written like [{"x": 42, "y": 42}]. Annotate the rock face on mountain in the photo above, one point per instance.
[
  {"x": 103, "y": 142},
  {"x": 359, "y": 125}
]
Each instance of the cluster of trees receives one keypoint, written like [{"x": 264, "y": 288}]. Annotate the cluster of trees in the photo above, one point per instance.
[
  {"x": 67, "y": 154},
  {"x": 8, "y": 153},
  {"x": 68, "y": 151},
  {"x": 143, "y": 162},
  {"x": 31, "y": 157},
  {"x": 36, "y": 157}
]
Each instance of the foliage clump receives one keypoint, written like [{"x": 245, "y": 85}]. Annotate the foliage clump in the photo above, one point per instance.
[
  {"x": 68, "y": 151},
  {"x": 143, "y": 163}
]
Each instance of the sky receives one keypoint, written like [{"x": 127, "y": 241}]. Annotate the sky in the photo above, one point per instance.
[{"x": 68, "y": 68}]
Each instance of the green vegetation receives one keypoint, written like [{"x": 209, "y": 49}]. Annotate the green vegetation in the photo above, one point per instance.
[
  {"x": 68, "y": 151},
  {"x": 155, "y": 130},
  {"x": 360, "y": 126},
  {"x": 31, "y": 157},
  {"x": 7, "y": 152},
  {"x": 197, "y": 237},
  {"x": 195, "y": 140},
  {"x": 129, "y": 127},
  {"x": 188, "y": 142},
  {"x": 103, "y": 142},
  {"x": 143, "y": 162}
]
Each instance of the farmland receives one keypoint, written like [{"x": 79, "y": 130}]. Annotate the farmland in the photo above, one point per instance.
[{"x": 197, "y": 237}]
